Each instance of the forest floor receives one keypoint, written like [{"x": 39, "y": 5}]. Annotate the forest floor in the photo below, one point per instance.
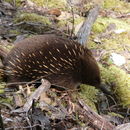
[{"x": 109, "y": 42}]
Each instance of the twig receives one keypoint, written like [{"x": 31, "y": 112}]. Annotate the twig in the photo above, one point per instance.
[{"x": 73, "y": 22}]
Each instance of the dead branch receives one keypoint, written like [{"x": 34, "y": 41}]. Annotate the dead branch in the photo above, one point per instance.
[
  {"x": 35, "y": 96},
  {"x": 95, "y": 120},
  {"x": 85, "y": 30}
]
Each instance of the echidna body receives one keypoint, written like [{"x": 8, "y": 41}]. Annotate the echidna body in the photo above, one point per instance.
[{"x": 61, "y": 61}]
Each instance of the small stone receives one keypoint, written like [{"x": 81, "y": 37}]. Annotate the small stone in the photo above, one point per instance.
[
  {"x": 118, "y": 59},
  {"x": 119, "y": 31}
]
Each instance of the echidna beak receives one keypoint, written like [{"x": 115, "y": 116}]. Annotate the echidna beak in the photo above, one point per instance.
[{"x": 105, "y": 89}]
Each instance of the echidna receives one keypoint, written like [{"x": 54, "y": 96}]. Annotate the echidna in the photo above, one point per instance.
[{"x": 62, "y": 61}]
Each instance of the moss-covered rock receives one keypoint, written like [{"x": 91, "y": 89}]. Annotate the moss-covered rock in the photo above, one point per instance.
[
  {"x": 120, "y": 82},
  {"x": 33, "y": 23},
  {"x": 32, "y": 17},
  {"x": 100, "y": 25},
  {"x": 89, "y": 94}
]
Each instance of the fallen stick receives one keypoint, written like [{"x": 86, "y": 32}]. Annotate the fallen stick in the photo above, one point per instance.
[
  {"x": 95, "y": 119},
  {"x": 85, "y": 29},
  {"x": 35, "y": 96}
]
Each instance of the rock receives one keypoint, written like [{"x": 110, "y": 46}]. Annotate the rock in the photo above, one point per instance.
[{"x": 118, "y": 59}]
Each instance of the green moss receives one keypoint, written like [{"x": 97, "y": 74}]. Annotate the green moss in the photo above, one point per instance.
[
  {"x": 62, "y": 23},
  {"x": 14, "y": 32},
  {"x": 50, "y": 3},
  {"x": 32, "y": 17},
  {"x": 110, "y": 3},
  {"x": 6, "y": 100},
  {"x": 120, "y": 81},
  {"x": 106, "y": 58},
  {"x": 117, "y": 5},
  {"x": 120, "y": 24},
  {"x": 102, "y": 23},
  {"x": 88, "y": 93},
  {"x": 92, "y": 45},
  {"x": 109, "y": 40},
  {"x": 115, "y": 115},
  {"x": 78, "y": 20},
  {"x": 99, "y": 26},
  {"x": 111, "y": 43},
  {"x": 114, "y": 44},
  {"x": 2, "y": 86},
  {"x": 17, "y": 2}
]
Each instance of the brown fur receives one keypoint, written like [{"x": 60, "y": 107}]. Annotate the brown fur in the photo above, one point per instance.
[{"x": 63, "y": 62}]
